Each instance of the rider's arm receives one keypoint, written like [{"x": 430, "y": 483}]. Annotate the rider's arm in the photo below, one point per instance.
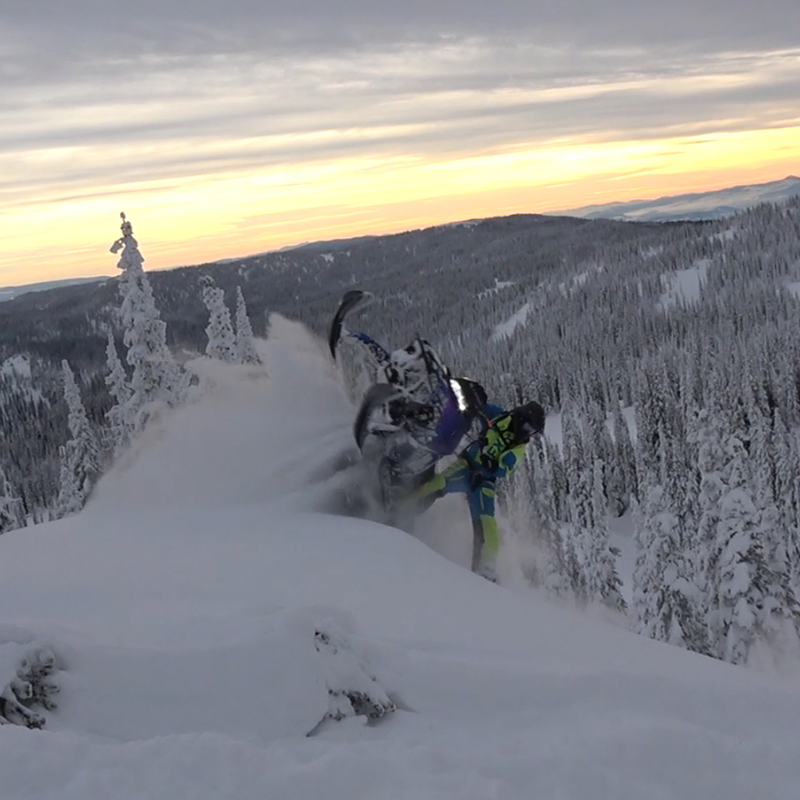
[{"x": 509, "y": 461}]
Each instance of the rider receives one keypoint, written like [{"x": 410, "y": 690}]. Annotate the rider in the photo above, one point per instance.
[{"x": 494, "y": 455}]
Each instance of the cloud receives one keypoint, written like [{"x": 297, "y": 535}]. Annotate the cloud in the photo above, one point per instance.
[
  {"x": 102, "y": 97},
  {"x": 453, "y": 97},
  {"x": 78, "y": 29}
]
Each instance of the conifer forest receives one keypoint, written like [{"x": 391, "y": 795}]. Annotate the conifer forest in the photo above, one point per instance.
[{"x": 667, "y": 357}]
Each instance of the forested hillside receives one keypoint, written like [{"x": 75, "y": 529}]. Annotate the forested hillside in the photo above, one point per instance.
[
  {"x": 694, "y": 325},
  {"x": 439, "y": 281}
]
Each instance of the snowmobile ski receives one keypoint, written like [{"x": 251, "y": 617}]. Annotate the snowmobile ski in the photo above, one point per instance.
[
  {"x": 378, "y": 395},
  {"x": 352, "y": 299}
]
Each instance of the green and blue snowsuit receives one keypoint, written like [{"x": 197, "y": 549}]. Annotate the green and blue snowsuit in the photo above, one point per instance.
[{"x": 478, "y": 467}]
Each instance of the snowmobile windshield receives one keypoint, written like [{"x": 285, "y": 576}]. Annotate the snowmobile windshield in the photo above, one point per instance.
[
  {"x": 415, "y": 369},
  {"x": 452, "y": 425}
]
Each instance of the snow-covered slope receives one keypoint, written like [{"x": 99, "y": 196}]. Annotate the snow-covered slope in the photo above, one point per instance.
[
  {"x": 702, "y": 205},
  {"x": 209, "y": 608}
]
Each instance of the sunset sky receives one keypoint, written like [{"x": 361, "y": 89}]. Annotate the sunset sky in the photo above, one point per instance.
[{"x": 236, "y": 126}]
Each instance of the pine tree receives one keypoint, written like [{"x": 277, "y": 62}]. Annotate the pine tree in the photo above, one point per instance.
[
  {"x": 706, "y": 434},
  {"x": 558, "y": 480},
  {"x": 544, "y": 504},
  {"x": 156, "y": 376},
  {"x": 787, "y": 490},
  {"x": 70, "y": 498},
  {"x": 529, "y": 499},
  {"x": 739, "y": 574},
  {"x": 81, "y": 456},
  {"x": 245, "y": 345},
  {"x": 603, "y": 581},
  {"x": 601, "y": 446},
  {"x": 221, "y": 340},
  {"x": 10, "y": 505},
  {"x": 625, "y": 457},
  {"x": 781, "y": 611},
  {"x": 119, "y": 424},
  {"x": 576, "y": 545},
  {"x": 666, "y": 601}
]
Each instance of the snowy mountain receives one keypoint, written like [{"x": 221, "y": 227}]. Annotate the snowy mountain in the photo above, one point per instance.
[
  {"x": 703, "y": 205},
  {"x": 10, "y": 292},
  {"x": 211, "y": 612}
]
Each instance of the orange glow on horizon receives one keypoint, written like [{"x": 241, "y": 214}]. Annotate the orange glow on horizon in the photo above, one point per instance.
[{"x": 236, "y": 213}]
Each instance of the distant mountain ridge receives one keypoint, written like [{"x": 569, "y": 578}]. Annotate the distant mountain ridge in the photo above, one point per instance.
[
  {"x": 10, "y": 292},
  {"x": 696, "y": 206}
]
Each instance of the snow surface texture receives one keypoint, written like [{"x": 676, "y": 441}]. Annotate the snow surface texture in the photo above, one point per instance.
[
  {"x": 219, "y": 632},
  {"x": 684, "y": 286},
  {"x": 507, "y": 328}
]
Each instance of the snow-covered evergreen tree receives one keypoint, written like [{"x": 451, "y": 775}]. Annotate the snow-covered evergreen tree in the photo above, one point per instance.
[
  {"x": 156, "y": 374},
  {"x": 579, "y": 481},
  {"x": 738, "y": 574},
  {"x": 602, "y": 579},
  {"x": 245, "y": 345},
  {"x": 119, "y": 424},
  {"x": 70, "y": 497},
  {"x": 529, "y": 498},
  {"x": 600, "y": 447},
  {"x": 780, "y": 609},
  {"x": 10, "y": 505},
  {"x": 706, "y": 435},
  {"x": 666, "y": 600},
  {"x": 787, "y": 496},
  {"x": 80, "y": 465},
  {"x": 221, "y": 339},
  {"x": 625, "y": 458},
  {"x": 555, "y": 568}
]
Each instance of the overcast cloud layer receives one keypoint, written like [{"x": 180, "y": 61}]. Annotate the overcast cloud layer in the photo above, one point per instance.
[
  {"x": 96, "y": 91},
  {"x": 209, "y": 26}
]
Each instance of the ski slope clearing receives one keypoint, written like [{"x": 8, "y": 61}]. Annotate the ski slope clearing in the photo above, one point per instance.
[{"x": 216, "y": 624}]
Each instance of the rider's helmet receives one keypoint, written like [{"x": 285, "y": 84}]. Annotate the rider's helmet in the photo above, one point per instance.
[{"x": 528, "y": 420}]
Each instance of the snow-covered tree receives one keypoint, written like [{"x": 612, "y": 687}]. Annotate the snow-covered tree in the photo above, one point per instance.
[
  {"x": 156, "y": 374},
  {"x": 529, "y": 499},
  {"x": 706, "y": 435},
  {"x": 10, "y": 505},
  {"x": 738, "y": 574},
  {"x": 787, "y": 496},
  {"x": 600, "y": 447},
  {"x": 625, "y": 458},
  {"x": 579, "y": 480},
  {"x": 667, "y": 603},
  {"x": 30, "y": 687},
  {"x": 245, "y": 345},
  {"x": 70, "y": 497},
  {"x": 544, "y": 504},
  {"x": 221, "y": 339},
  {"x": 119, "y": 424},
  {"x": 81, "y": 456},
  {"x": 602, "y": 579}
]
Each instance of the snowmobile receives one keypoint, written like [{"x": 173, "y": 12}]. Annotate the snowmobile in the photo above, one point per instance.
[{"x": 413, "y": 415}]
